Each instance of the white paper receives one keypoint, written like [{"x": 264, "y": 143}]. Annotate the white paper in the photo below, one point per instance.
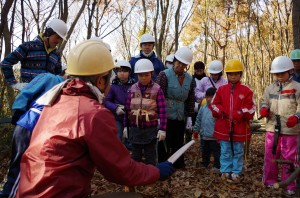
[{"x": 178, "y": 153}]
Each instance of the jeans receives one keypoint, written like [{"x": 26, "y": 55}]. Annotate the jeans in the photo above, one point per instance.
[
  {"x": 231, "y": 163},
  {"x": 209, "y": 147}
]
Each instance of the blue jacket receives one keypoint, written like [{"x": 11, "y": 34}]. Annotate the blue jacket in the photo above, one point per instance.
[
  {"x": 26, "y": 100},
  {"x": 205, "y": 123},
  {"x": 34, "y": 58},
  {"x": 158, "y": 65},
  {"x": 117, "y": 95}
]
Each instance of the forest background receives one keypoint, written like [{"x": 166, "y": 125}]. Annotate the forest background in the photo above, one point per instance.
[{"x": 253, "y": 31}]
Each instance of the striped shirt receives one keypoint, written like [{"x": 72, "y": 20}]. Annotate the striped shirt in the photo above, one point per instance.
[{"x": 34, "y": 58}]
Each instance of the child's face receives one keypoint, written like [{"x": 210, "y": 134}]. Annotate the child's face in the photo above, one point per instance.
[
  {"x": 208, "y": 99},
  {"x": 123, "y": 74},
  {"x": 234, "y": 77},
  {"x": 282, "y": 77},
  {"x": 145, "y": 78},
  {"x": 296, "y": 64}
]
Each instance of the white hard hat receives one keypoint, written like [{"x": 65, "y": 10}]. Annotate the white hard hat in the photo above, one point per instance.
[
  {"x": 123, "y": 63},
  {"x": 147, "y": 38},
  {"x": 170, "y": 58},
  {"x": 59, "y": 27},
  {"x": 215, "y": 67},
  {"x": 184, "y": 55},
  {"x": 143, "y": 65},
  {"x": 281, "y": 64}
]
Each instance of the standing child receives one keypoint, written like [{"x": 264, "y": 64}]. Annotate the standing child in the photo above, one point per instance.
[
  {"x": 280, "y": 105},
  {"x": 117, "y": 94},
  {"x": 205, "y": 124},
  {"x": 233, "y": 107},
  {"x": 146, "y": 104}
]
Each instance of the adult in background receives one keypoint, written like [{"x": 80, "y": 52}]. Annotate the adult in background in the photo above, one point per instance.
[
  {"x": 37, "y": 56},
  {"x": 295, "y": 57},
  {"x": 178, "y": 87},
  {"x": 76, "y": 134},
  {"x": 147, "y": 43}
]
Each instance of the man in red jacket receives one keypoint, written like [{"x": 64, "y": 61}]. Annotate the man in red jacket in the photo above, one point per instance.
[
  {"x": 76, "y": 134},
  {"x": 233, "y": 107}
]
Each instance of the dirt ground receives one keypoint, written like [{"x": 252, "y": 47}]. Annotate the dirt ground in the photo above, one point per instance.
[{"x": 197, "y": 181}]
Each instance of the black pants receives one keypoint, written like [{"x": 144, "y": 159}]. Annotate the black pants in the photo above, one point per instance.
[
  {"x": 149, "y": 151},
  {"x": 209, "y": 147},
  {"x": 174, "y": 141}
]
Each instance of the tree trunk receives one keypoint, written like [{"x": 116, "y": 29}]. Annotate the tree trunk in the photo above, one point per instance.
[{"x": 296, "y": 24}]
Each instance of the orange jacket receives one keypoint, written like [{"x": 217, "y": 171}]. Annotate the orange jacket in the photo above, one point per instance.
[{"x": 71, "y": 139}]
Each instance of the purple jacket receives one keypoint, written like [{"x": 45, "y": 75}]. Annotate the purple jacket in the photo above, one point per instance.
[
  {"x": 204, "y": 84},
  {"x": 117, "y": 95}
]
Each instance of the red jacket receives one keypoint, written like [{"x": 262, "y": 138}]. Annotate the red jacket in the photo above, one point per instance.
[
  {"x": 234, "y": 107},
  {"x": 71, "y": 139}
]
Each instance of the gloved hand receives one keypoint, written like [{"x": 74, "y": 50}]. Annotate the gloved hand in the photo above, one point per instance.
[
  {"x": 237, "y": 115},
  {"x": 125, "y": 133},
  {"x": 19, "y": 86},
  {"x": 189, "y": 123},
  {"x": 264, "y": 112},
  {"x": 195, "y": 135},
  {"x": 120, "y": 110},
  {"x": 165, "y": 169},
  {"x": 292, "y": 121},
  {"x": 161, "y": 135}
]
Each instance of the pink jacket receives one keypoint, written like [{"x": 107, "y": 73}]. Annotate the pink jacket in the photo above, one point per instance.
[{"x": 71, "y": 139}]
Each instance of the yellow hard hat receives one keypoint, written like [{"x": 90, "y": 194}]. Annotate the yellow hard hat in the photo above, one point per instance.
[
  {"x": 89, "y": 58},
  {"x": 234, "y": 66}
]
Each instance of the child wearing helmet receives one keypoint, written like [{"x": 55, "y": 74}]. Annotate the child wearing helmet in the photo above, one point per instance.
[
  {"x": 178, "y": 87},
  {"x": 145, "y": 104},
  {"x": 233, "y": 107},
  {"x": 169, "y": 61},
  {"x": 115, "y": 100},
  {"x": 281, "y": 106},
  {"x": 215, "y": 69}
]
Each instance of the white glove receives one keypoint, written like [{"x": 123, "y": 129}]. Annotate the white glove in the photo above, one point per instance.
[
  {"x": 161, "y": 135},
  {"x": 189, "y": 123},
  {"x": 120, "y": 110},
  {"x": 19, "y": 86},
  {"x": 125, "y": 133}
]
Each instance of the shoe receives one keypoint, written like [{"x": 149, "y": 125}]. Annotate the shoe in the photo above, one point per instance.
[
  {"x": 290, "y": 192},
  {"x": 225, "y": 176},
  {"x": 235, "y": 176},
  {"x": 215, "y": 170}
]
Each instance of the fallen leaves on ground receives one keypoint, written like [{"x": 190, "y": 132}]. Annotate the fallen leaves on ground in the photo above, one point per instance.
[{"x": 197, "y": 181}]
